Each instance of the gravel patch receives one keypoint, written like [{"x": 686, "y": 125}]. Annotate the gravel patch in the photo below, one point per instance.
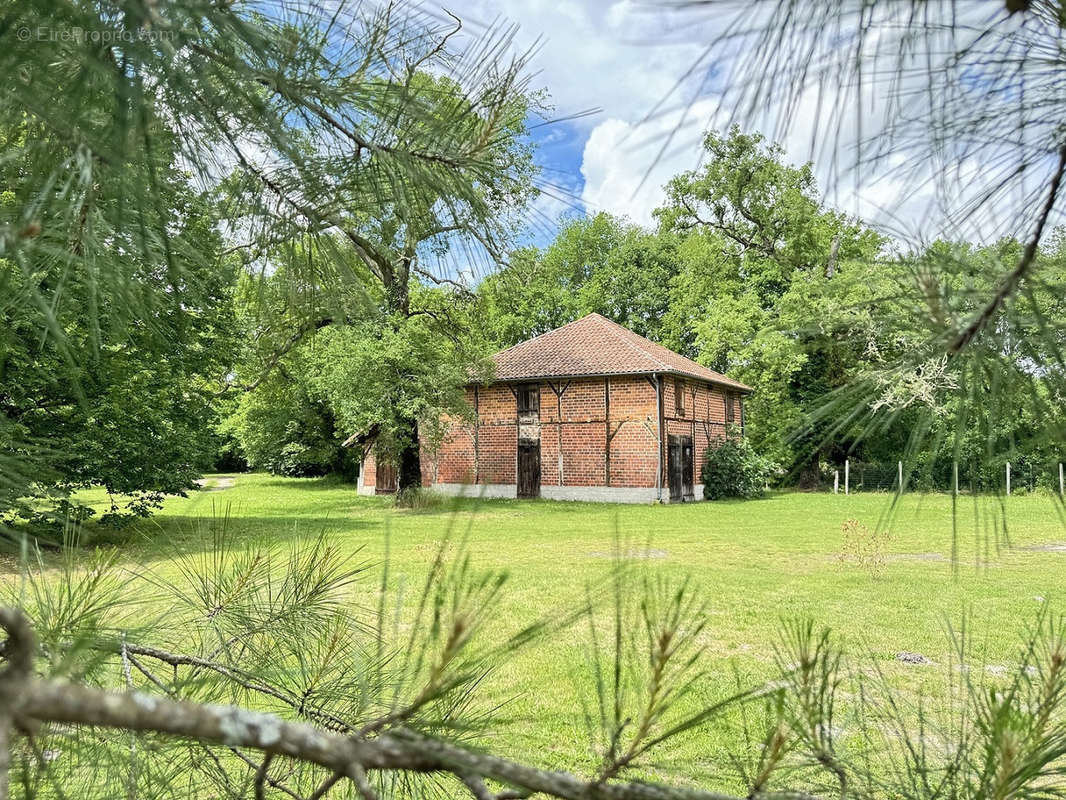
[
  {"x": 912, "y": 658},
  {"x": 631, "y": 553}
]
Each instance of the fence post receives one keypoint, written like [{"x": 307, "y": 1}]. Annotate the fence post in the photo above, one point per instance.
[
  {"x": 847, "y": 475},
  {"x": 1061, "y": 494},
  {"x": 899, "y": 464},
  {"x": 955, "y": 477},
  {"x": 836, "y": 481},
  {"x": 1008, "y": 479}
]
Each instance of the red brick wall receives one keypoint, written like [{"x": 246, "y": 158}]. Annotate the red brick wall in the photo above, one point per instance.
[
  {"x": 634, "y": 431},
  {"x": 703, "y": 417},
  {"x": 453, "y": 460},
  {"x": 573, "y": 415},
  {"x": 573, "y": 422},
  {"x": 603, "y": 440}
]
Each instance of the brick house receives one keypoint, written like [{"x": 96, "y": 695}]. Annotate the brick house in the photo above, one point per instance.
[{"x": 588, "y": 411}]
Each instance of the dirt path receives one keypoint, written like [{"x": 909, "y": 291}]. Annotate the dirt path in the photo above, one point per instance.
[{"x": 217, "y": 483}]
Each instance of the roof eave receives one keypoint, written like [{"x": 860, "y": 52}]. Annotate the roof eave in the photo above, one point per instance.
[{"x": 737, "y": 387}]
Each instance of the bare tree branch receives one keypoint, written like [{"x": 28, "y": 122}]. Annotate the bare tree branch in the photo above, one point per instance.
[
  {"x": 53, "y": 701},
  {"x": 442, "y": 281},
  {"x": 261, "y": 776},
  {"x": 437, "y": 49},
  {"x": 273, "y": 784},
  {"x": 480, "y": 791},
  {"x": 30, "y": 700},
  {"x": 366, "y": 791},
  {"x": 326, "y": 785}
]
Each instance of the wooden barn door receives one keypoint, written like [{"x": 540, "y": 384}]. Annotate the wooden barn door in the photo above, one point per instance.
[
  {"x": 385, "y": 481},
  {"x": 686, "y": 467},
  {"x": 528, "y": 396},
  {"x": 679, "y": 468},
  {"x": 528, "y": 469}
]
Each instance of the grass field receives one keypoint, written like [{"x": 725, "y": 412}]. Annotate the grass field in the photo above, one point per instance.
[{"x": 757, "y": 562}]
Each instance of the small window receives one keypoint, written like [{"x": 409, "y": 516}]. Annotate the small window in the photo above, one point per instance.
[
  {"x": 529, "y": 398},
  {"x": 679, "y": 397},
  {"x": 730, "y": 408}
]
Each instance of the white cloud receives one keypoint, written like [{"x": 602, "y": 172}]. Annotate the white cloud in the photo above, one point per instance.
[
  {"x": 594, "y": 54},
  {"x": 626, "y": 164},
  {"x": 609, "y": 178},
  {"x": 634, "y": 62}
]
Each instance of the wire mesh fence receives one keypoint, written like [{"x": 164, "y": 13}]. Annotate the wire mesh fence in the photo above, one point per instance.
[{"x": 1003, "y": 476}]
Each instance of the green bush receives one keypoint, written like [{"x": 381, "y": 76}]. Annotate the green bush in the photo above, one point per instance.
[
  {"x": 419, "y": 498},
  {"x": 734, "y": 469}
]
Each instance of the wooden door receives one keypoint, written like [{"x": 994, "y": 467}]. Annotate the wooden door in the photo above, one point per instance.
[
  {"x": 686, "y": 467},
  {"x": 527, "y": 397},
  {"x": 528, "y": 469},
  {"x": 679, "y": 468},
  {"x": 385, "y": 478},
  {"x": 675, "y": 477}
]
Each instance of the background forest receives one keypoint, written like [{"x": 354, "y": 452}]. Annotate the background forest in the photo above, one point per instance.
[{"x": 279, "y": 360}]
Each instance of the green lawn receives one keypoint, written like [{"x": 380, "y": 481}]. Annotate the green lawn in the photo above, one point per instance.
[{"x": 757, "y": 562}]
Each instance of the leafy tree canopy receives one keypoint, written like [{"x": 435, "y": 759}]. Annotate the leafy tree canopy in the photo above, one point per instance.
[
  {"x": 361, "y": 137},
  {"x": 749, "y": 273},
  {"x": 101, "y": 389},
  {"x": 596, "y": 264}
]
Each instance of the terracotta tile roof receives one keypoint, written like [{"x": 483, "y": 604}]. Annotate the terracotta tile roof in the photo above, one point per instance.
[{"x": 593, "y": 345}]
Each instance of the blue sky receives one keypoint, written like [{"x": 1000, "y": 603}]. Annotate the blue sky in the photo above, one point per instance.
[
  {"x": 627, "y": 61},
  {"x": 617, "y": 59}
]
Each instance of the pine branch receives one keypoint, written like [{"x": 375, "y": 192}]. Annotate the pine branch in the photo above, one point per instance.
[
  {"x": 53, "y": 701},
  {"x": 1014, "y": 278},
  {"x": 29, "y": 701},
  {"x": 239, "y": 677}
]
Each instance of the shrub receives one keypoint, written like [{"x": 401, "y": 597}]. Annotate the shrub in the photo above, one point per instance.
[
  {"x": 281, "y": 429},
  {"x": 732, "y": 468},
  {"x": 419, "y": 498}
]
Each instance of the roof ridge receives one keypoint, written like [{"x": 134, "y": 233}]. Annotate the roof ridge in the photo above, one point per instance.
[
  {"x": 595, "y": 344},
  {"x": 630, "y": 343},
  {"x": 660, "y": 345}
]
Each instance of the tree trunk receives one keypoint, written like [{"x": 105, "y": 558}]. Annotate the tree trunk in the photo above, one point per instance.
[
  {"x": 409, "y": 472},
  {"x": 809, "y": 472},
  {"x": 398, "y": 302},
  {"x": 809, "y": 475}
]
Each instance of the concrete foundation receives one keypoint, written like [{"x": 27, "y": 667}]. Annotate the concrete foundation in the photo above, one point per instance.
[
  {"x": 599, "y": 494},
  {"x": 487, "y": 490},
  {"x": 588, "y": 494}
]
